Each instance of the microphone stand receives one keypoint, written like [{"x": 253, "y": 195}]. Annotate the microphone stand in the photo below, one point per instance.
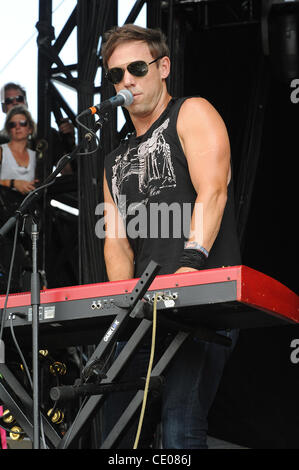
[
  {"x": 35, "y": 303},
  {"x": 21, "y": 212}
]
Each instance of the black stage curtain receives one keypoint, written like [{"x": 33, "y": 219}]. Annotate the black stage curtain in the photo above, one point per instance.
[{"x": 257, "y": 404}]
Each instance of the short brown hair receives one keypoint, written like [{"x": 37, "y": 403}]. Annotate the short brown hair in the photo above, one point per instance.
[
  {"x": 15, "y": 86},
  {"x": 11, "y": 86},
  {"x": 154, "y": 38}
]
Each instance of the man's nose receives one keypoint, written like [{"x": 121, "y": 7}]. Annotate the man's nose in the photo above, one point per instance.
[{"x": 128, "y": 79}]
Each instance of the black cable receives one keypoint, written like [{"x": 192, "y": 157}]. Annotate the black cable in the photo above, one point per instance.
[
  {"x": 28, "y": 376},
  {"x": 43, "y": 186},
  {"x": 9, "y": 277},
  {"x": 9, "y": 430},
  {"x": 30, "y": 380},
  {"x": 90, "y": 131},
  {"x": 96, "y": 362},
  {"x": 20, "y": 352}
]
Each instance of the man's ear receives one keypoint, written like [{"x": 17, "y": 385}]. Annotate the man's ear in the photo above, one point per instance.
[{"x": 165, "y": 67}]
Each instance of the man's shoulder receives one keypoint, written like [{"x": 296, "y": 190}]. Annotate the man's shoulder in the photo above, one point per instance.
[
  {"x": 196, "y": 103},
  {"x": 192, "y": 107},
  {"x": 198, "y": 111}
]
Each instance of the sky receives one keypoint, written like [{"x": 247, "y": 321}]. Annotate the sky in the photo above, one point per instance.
[{"x": 19, "y": 49}]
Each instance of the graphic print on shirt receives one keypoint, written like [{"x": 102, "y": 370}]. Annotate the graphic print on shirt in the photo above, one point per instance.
[{"x": 151, "y": 162}]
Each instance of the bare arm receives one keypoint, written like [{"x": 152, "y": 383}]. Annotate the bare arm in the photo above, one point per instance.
[
  {"x": 22, "y": 186},
  {"x": 118, "y": 254},
  {"x": 205, "y": 143}
]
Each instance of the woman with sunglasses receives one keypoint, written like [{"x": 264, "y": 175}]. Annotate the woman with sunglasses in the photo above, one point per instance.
[{"x": 17, "y": 161}]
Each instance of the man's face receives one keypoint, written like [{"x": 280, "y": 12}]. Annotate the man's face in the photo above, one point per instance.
[
  {"x": 13, "y": 97},
  {"x": 146, "y": 90}
]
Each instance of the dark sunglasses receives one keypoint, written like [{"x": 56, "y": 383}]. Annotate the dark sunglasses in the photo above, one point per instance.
[
  {"x": 12, "y": 99},
  {"x": 139, "y": 68},
  {"x": 13, "y": 124}
]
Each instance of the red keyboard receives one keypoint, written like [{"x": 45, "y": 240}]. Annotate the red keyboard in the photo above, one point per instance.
[{"x": 230, "y": 297}]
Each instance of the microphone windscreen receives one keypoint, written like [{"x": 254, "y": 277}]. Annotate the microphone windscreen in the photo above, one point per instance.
[{"x": 128, "y": 97}]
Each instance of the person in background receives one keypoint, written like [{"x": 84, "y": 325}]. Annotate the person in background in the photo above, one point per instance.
[
  {"x": 13, "y": 94},
  {"x": 17, "y": 178},
  {"x": 17, "y": 161}
]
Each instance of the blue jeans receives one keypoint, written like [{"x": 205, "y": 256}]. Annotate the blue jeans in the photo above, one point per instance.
[{"x": 191, "y": 383}]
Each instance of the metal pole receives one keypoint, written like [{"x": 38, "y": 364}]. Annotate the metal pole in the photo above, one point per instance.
[{"x": 35, "y": 303}]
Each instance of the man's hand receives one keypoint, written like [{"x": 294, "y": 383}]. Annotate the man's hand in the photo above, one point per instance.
[
  {"x": 185, "y": 270},
  {"x": 66, "y": 127}
]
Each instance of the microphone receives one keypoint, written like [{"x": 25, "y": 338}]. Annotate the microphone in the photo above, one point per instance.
[{"x": 123, "y": 97}]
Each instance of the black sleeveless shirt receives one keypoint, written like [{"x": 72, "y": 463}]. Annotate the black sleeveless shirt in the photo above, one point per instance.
[{"x": 149, "y": 181}]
